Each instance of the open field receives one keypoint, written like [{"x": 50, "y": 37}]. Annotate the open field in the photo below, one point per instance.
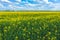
[{"x": 29, "y": 25}]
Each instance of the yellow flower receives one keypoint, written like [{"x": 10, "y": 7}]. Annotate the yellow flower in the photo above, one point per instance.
[
  {"x": 28, "y": 23},
  {"x": 49, "y": 38},
  {"x": 24, "y": 34},
  {"x": 49, "y": 33},
  {"x": 24, "y": 29},
  {"x": 16, "y": 38},
  {"x": 29, "y": 32},
  {"x": 5, "y": 30},
  {"x": 56, "y": 31},
  {"x": 28, "y": 39}
]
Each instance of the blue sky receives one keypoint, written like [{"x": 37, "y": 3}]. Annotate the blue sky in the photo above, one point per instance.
[{"x": 29, "y": 4}]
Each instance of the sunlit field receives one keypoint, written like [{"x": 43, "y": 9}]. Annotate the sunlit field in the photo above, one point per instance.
[{"x": 29, "y": 26}]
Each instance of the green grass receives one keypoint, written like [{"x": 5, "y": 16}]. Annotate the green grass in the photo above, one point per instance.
[{"x": 29, "y": 26}]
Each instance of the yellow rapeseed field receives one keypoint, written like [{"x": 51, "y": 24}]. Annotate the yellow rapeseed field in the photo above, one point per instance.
[{"x": 29, "y": 25}]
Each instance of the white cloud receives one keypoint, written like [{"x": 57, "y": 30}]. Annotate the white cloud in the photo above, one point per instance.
[
  {"x": 46, "y": 1},
  {"x": 13, "y": 7},
  {"x": 41, "y": 5},
  {"x": 18, "y": 0},
  {"x": 6, "y": 1},
  {"x": 29, "y": 4},
  {"x": 56, "y": 6},
  {"x": 1, "y": 6}
]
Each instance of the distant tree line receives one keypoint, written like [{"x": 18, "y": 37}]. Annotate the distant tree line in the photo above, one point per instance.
[{"x": 29, "y": 10}]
